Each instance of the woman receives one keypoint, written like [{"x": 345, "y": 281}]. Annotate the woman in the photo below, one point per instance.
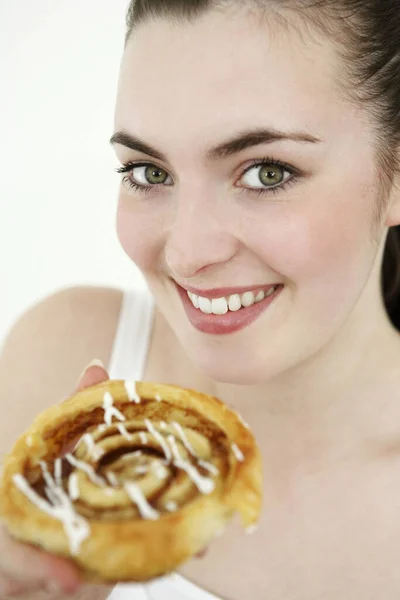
[{"x": 260, "y": 198}]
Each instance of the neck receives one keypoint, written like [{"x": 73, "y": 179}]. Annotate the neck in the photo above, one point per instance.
[{"x": 333, "y": 401}]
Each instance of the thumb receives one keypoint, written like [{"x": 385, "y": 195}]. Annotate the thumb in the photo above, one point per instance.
[{"x": 94, "y": 373}]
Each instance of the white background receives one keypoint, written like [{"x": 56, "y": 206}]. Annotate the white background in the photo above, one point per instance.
[{"x": 59, "y": 64}]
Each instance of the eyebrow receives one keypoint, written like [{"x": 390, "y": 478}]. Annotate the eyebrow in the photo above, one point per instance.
[{"x": 240, "y": 142}]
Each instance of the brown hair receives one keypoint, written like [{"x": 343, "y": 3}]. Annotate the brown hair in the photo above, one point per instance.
[{"x": 367, "y": 33}]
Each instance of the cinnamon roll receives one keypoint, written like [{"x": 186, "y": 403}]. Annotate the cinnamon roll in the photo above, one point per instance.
[{"x": 130, "y": 479}]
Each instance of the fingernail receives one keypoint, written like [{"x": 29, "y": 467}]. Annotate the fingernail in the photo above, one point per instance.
[{"x": 94, "y": 363}]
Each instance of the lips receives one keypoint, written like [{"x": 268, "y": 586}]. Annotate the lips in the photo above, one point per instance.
[{"x": 230, "y": 322}]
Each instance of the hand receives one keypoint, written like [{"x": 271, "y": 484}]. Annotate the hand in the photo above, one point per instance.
[{"x": 24, "y": 568}]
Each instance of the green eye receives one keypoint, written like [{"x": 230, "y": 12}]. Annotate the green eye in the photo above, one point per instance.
[
  {"x": 271, "y": 175},
  {"x": 266, "y": 176},
  {"x": 155, "y": 176}
]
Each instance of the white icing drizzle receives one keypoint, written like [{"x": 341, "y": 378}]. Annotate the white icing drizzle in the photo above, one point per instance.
[
  {"x": 131, "y": 390},
  {"x": 159, "y": 471},
  {"x": 51, "y": 495},
  {"x": 158, "y": 398},
  {"x": 124, "y": 432},
  {"x": 143, "y": 437},
  {"x": 83, "y": 466},
  {"x": 92, "y": 447},
  {"x": 110, "y": 410},
  {"x": 23, "y": 485},
  {"x": 237, "y": 452},
  {"x": 141, "y": 469},
  {"x": 73, "y": 488},
  {"x": 135, "y": 494},
  {"x": 112, "y": 478},
  {"x": 129, "y": 455},
  {"x": 184, "y": 439},
  {"x": 242, "y": 421},
  {"x": 102, "y": 427},
  {"x": 160, "y": 439},
  {"x": 47, "y": 477},
  {"x": 76, "y": 527},
  {"x": 171, "y": 506},
  {"x": 58, "y": 471},
  {"x": 204, "y": 484},
  {"x": 208, "y": 466},
  {"x": 163, "y": 425}
]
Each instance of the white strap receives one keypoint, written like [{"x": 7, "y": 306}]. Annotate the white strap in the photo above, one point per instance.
[{"x": 132, "y": 337}]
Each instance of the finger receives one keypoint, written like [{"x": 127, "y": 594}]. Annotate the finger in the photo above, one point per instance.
[
  {"x": 30, "y": 566},
  {"x": 94, "y": 373}
]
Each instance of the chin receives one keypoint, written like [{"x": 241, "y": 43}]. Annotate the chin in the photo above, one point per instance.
[{"x": 235, "y": 372}]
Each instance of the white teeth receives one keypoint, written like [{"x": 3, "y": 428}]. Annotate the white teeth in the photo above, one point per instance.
[
  {"x": 194, "y": 299},
  {"x": 260, "y": 296},
  {"x": 220, "y": 306},
  {"x": 205, "y": 305},
  {"x": 234, "y": 302},
  {"x": 247, "y": 299}
]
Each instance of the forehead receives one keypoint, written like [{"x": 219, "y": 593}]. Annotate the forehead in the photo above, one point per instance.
[{"x": 185, "y": 82}]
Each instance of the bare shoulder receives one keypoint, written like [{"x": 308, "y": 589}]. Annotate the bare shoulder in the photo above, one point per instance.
[
  {"x": 67, "y": 328},
  {"x": 48, "y": 347}
]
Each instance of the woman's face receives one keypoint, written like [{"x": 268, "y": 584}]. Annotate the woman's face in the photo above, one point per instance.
[{"x": 219, "y": 222}]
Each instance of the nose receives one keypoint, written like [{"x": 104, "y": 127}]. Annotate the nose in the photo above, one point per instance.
[{"x": 200, "y": 236}]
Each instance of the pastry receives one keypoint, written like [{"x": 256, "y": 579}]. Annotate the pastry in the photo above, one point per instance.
[{"x": 130, "y": 479}]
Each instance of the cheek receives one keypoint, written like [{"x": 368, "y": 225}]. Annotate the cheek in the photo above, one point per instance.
[
  {"x": 138, "y": 233},
  {"x": 321, "y": 241}
]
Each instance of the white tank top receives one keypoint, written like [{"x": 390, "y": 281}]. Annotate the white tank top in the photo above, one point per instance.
[{"x": 127, "y": 361}]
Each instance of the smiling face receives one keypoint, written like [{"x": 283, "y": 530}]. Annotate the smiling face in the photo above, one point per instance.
[{"x": 212, "y": 219}]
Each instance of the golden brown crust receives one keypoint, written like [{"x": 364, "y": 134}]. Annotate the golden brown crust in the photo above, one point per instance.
[{"x": 190, "y": 456}]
